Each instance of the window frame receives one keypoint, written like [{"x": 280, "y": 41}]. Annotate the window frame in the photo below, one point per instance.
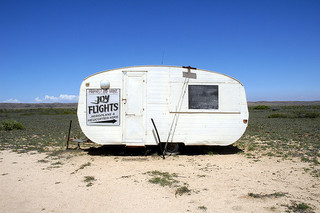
[{"x": 204, "y": 109}]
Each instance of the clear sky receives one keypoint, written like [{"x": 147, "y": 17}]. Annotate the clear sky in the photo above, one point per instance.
[{"x": 47, "y": 47}]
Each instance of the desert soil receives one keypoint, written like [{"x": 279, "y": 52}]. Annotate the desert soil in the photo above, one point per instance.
[{"x": 33, "y": 182}]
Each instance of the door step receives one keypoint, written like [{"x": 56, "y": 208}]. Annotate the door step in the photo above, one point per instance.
[{"x": 138, "y": 145}]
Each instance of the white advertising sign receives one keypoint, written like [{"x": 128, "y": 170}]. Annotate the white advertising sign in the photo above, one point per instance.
[{"x": 103, "y": 107}]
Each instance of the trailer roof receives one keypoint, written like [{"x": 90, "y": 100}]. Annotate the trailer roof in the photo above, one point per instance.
[{"x": 159, "y": 66}]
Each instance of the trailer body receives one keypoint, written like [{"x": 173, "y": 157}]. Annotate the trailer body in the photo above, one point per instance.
[{"x": 190, "y": 106}]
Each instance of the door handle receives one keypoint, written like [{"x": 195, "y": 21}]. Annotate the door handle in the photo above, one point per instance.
[{"x": 124, "y": 99}]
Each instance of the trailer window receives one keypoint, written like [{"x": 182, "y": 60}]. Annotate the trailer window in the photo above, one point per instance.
[{"x": 203, "y": 96}]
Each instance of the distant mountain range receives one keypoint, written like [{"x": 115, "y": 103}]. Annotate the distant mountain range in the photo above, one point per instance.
[
  {"x": 74, "y": 105},
  {"x": 38, "y": 105},
  {"x": 283, "y": 103}
]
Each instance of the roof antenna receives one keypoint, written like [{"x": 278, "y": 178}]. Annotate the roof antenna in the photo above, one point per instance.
[{"x": 162, "y": 57}]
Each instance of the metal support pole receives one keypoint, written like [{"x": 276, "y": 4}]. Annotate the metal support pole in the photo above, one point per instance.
[
  {"x": 69, "y": 134},
  {"x": 154, "y": 125}
]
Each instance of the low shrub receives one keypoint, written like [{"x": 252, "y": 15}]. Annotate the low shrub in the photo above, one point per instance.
[
  {"x": 162, "y": 178},
  {"x": 272, "y": 195},
  {"x": 300, "y": 207},
  {"x": 277, "y": 115},
  {"x": 181, "y": 190},
  {"x": 305, "y": 114},
  {"x": 89, "y": 180},
  {"x": 9, "y": 125},
  {"x": 312, "y": 115},
  {"x": 261, "y": 107}
]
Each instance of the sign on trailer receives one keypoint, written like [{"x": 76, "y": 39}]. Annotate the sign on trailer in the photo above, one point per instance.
[{"x": 103, "y": 107}]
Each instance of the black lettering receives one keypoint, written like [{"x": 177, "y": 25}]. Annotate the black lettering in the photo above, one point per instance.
[
  {"x": 116, "y": 106},
  {"x": 90, "y": 109},
  {"x": 102, "y": 99},
  {"x": 101, "y": 108},
  {"x": 93, "y": 109}
]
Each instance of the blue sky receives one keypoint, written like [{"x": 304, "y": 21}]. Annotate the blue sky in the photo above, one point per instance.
[{"x": 48, "y": 47}]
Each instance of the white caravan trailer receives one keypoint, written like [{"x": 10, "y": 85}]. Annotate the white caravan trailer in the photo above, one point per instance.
[{"x": 188, "y": 105}]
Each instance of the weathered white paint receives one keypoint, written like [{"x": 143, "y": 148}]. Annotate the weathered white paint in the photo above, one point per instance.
[
  {"x": 161, "y": 93},
  {"x": 134, "y": 121}
]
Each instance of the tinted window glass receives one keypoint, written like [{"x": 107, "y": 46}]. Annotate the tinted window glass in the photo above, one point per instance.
[{"x": 203, "y": 96}]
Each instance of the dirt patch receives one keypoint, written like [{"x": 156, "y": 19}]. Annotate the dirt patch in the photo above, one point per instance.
[{"x": 213, "y": 183}]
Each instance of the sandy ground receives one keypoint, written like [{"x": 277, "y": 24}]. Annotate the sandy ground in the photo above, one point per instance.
[{"x": 219, "y": 183}]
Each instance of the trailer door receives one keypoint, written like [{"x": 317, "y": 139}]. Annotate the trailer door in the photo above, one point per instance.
[{"x": 134, "y": 106}]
